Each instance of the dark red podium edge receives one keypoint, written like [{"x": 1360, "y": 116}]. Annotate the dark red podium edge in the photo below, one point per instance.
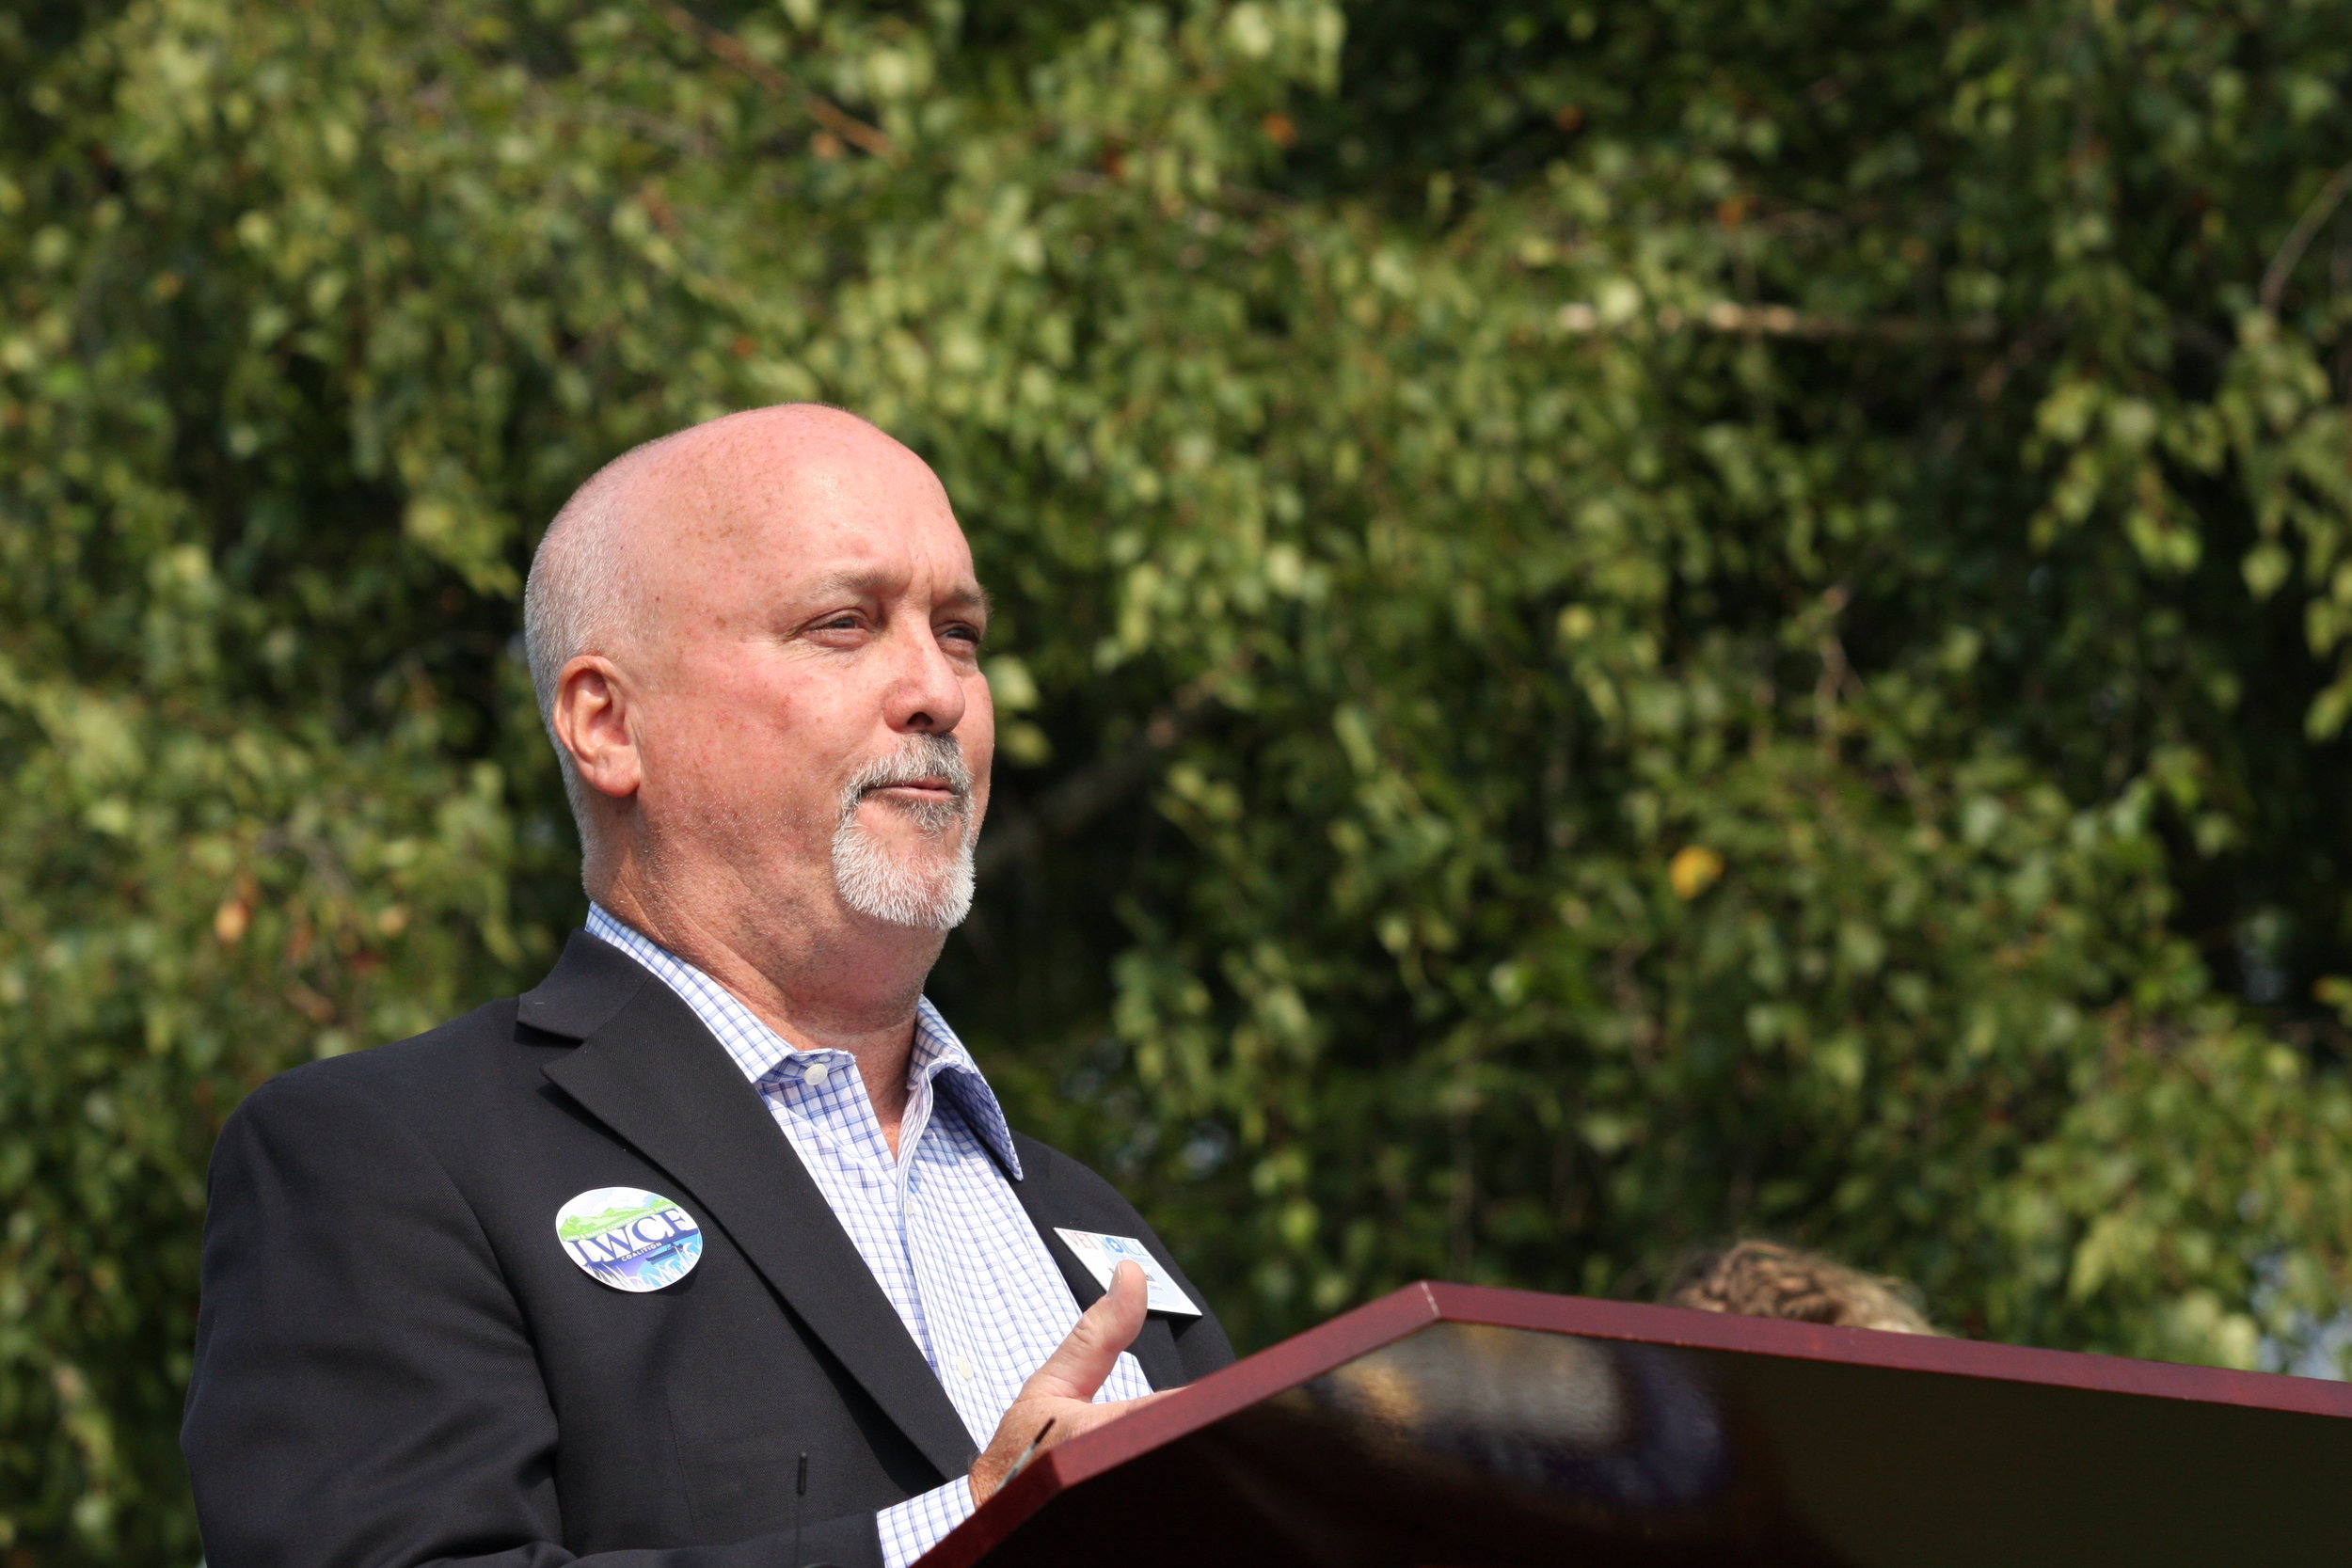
[{"x": 1401, "y": 1312}]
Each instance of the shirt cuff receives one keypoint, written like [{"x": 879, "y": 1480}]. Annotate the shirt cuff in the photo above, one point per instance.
[{"x": 915, "y": 1525}]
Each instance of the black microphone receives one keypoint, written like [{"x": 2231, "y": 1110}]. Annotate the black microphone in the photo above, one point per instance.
[{"x": 799, "y": 1493}]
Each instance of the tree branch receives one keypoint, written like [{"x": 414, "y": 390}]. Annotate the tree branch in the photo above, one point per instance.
[
  {"x": 2299, "y": 240},
  {"x": 1096, "y": 787},
  {"x": 824, "y": 110},
  {"x": 1780, "y": 320}
]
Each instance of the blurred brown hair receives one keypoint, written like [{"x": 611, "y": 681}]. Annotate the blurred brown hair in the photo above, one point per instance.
[{"x": 1764, "y": 1279}]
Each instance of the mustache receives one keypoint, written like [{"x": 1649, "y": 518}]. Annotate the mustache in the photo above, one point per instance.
[{"x": 918, "y": 758}]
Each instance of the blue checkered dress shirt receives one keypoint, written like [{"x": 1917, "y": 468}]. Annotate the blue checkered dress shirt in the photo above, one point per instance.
[{"x": 949, "y": 1243}]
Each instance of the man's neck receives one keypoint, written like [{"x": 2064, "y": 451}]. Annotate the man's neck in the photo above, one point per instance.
[{"x": 819, "y": 988}]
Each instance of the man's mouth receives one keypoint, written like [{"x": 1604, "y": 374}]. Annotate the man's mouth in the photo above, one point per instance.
[
  {"x": 928, "y": 785},
  {"x": 926, "y": 779}
]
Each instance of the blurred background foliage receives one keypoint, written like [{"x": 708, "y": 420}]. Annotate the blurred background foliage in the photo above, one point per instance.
[{"x": 1621, "y": 624}]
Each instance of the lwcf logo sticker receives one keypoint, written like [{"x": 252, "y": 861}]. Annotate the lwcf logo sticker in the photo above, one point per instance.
[{"x": 630, "y": 1238}]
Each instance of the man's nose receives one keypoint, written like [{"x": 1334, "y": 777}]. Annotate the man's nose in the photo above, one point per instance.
[{"x": 924, "y": 693}]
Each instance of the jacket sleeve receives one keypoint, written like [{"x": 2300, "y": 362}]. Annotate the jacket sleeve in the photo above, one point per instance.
[{"x": 364, "y": 1392}]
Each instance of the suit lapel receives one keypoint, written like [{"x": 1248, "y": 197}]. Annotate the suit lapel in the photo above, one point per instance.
[{"x": 650, "y": 1071}]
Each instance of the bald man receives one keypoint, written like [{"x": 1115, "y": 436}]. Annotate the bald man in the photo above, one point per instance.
[{"x": 716, "y": 1242}]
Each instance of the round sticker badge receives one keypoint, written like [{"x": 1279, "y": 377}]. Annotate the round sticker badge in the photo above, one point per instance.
[{"x": 630, "y": 1238}]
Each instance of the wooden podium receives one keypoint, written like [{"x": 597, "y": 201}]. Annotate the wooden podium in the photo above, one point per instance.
[{"x": 1454, "y": 1426}]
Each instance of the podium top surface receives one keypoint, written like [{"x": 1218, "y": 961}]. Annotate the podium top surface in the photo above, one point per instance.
[{"x": 1467, "y": 1425}]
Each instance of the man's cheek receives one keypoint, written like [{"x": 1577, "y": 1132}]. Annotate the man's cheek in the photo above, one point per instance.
[{"x": 977, "y": 733}]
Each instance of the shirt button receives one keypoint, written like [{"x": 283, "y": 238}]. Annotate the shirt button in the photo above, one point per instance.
[
  {"x": 817, "y": 1074},
  {"x": 963, "y": 1368}
]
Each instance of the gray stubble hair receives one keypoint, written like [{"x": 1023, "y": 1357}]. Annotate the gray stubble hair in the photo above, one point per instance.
[{"x": 876, "y": 884}]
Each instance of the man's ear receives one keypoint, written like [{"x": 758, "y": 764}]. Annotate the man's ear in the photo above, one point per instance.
[{"x": 591, "y": 719}]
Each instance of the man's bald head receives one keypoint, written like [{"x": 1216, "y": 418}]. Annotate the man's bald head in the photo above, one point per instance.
[{"x": 762, "y": 632}]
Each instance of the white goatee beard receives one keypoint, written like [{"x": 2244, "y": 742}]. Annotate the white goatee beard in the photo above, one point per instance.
[{"x": 918, "y": 892}]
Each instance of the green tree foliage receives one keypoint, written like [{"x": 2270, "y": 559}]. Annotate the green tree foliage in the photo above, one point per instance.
[{"x": 1621, "y": 624}]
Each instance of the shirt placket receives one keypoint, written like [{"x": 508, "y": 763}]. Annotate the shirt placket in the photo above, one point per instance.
[{"x": 955, "y": 1366}]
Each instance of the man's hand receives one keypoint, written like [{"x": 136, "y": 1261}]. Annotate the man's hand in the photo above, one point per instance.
[{"x": 1062, "y": 1391}]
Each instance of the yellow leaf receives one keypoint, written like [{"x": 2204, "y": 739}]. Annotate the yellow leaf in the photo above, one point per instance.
[
  {"x": 1694, "y": 870},
  {"x": 230, "y": 920}
]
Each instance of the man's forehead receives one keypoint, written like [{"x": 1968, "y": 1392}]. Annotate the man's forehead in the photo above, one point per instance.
[
  {"x": 851, "y": 494},
  {"x": 841, "y": 501},
  {"x": 866, "y": 541}
]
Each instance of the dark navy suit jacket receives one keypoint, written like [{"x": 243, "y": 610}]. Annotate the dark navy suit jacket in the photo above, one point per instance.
[{"x": 397, "y": 1364}]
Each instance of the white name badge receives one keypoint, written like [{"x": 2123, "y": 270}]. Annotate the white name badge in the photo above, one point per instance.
[
  {"x": 630, "y": 1238},
  {"x": 1101, "y": 1255}
]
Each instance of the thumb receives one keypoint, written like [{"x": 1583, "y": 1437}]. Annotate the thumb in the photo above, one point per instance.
[{"x": 1078, "y": 1366}]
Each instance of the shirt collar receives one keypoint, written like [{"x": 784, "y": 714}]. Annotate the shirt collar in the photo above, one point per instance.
[{"x": 939, "y": 1058}]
